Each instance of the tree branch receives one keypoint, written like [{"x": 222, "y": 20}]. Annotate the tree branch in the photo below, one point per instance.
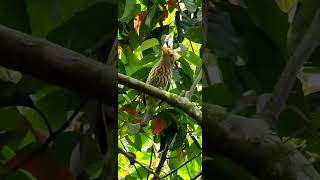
[
  {"x": 176, "y": 169},
  {"x": 58, "y": 65},
  {"x": 132, "y": 159},
  {"x": 162, "y": 160},
  {"x": 194, "y": 85},
  {"x": 308, "y": 44},
  {"x": 173, "y": 99},
  {"x": 254, "y": 145}
]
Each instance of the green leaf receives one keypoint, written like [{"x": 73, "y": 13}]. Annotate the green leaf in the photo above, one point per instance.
[
  {"x": 10, "y": 117},
  {"x": 193, "y": 58},
  {"x": 17, "y": 138},
  {"x": 138, "y": 142},
  {"x": 47, "y": 15},
  {"x": 72, "y": 34},
  {"x": 94, "y": 170},
  {"x": 7, "y": 153},
  {"x": 21, "y": 175},
  {"x": 63, "y": 146},
  {"x": 149, "y": 58},
  {"x": 186, "y": 67},
  {"x": 174, "y": 162},
  {"x": 55, "y": 103},
  {"x": 134, "y": 128},
  {"x": 175, "y": 176},
  {"x": 141, "y": 74},
  {"x": 10, "y": 75},
  {"x": 286, "y": 5},
  {"x": 195, "y": 34},
  {"x": 172, "y": 142},
  {"x": 147, "y": 44},
  {"x": 190, "y": 5},
  {"x": 151, "y": 15},
  {"x": 131, "y": 9},
  {"x": 121, "y": 68},
  {"x": 267, "y": 16},
  {"x": 34, "y": 117},
  {"x": 14, "y": 15},
  {"x": 218, "y": 94},
  {"x": 142, "y": 172}
]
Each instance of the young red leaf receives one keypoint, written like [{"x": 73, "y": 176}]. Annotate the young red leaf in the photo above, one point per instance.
[
  {"x": 138, "y": 20},
  {"x": 164, "y": 14},
  {"x": 174, "y": 4},
  {"x": 158, "y": 125},
  {"x": 130, "y": 110}
]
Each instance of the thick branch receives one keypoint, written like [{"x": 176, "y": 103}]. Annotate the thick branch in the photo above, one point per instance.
[
  {"x": 251, "y": 143},
  {"x": 281, "y": 91},
  {"x": 173, "y": 99},
  {"x": 58, "y": 65}
]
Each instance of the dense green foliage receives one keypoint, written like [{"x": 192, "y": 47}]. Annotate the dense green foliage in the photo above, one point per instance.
[
  {"x": 28, "y": 107},
  {"x": 248, "y": 43},
  {"x": 145, "y": 26}
]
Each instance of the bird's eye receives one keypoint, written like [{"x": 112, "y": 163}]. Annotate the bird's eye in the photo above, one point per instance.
[{"x": 171, "y": 55}]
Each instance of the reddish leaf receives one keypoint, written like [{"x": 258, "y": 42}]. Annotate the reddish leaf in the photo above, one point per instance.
[
  {"x": 138, "y": 20},
  {"x": 164, "y": 14},
  {"x": 40, "y": 165},
  {"x": 130, "y": 110},
  {"x": 138, "y": 120},
  {"x": 174, "y": 4},
  {"x": 158, "y": 125}
]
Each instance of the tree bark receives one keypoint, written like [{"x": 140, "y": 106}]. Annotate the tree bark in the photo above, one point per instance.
[{"x": 58, "y": 65}]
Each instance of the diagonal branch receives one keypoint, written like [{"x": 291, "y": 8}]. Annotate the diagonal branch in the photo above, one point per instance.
[
  {"x": 132, "y": 159},
  {"x": 281, "y": 91},
  {"x": 173, "y": 99},
  {"x": 55, "y": 64},
  {"x": 194, "y": 85},
  {"x": 176, "y": 169}
]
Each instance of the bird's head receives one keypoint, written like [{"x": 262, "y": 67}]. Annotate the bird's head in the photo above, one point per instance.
[{"x": 168, "y": 55}]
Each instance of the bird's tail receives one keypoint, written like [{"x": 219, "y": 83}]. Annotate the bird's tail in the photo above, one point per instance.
[{"x": 147, "y": 117}]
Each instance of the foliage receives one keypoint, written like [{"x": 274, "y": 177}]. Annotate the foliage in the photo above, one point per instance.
[
  {"x": 29, "y": 107},
  {"x": 247, "y": 50},
  {"x": 145, "y": 26}
]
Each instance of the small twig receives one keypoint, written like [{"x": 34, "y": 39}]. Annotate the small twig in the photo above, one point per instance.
[
  {"x": 191, "y": 46},
  {"x": 188, "y": 171},
  {"x": 194, "y": 85},
  {"x": 150, "y": 161},
  {"x": 182, "y": 165},
  {"x": 129, "y": 156},
  {"x": 144, "y": 133},
  {"x": 135, "y": 167},
  {"x": 46, "y": 121},
  {"x": 195, "y": 140}
]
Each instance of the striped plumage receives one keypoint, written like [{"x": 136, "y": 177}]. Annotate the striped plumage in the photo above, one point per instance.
[{"x": 159, "y": 76}]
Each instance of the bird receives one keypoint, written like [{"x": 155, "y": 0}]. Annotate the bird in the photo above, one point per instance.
[{"x": 160, "y": 77}]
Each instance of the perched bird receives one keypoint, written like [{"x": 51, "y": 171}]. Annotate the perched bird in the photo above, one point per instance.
[{"x": 159, "y": 76}]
